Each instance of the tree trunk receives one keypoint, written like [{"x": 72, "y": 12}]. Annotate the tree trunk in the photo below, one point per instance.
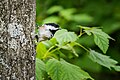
[{"x": 17, "y": 54}]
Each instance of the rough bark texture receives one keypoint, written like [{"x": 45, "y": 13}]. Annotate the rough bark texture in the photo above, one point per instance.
[{"x": 17, "y": 22}]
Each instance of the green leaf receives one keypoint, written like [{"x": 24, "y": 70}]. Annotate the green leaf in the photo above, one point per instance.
[
  {"x": 103, "y": 60},
  {"x": 63, "y": 36},
  {"x": 88, "y": 32},
  {"x": 49, "y": 43},
  {"x": 53, "y": 69},
  {"x": 117, "y": 68},
  {"x": 101, "y": 42},
  {"x": 51, "y": 19},
  {"x": 68, "y": 13},
  {"x": 82, "y": 18},
  {"x": 40, "y": 50},
  {"x": 40, "y": 69},
  {"x": 101, "y": 39},
  {"x": 54, "y": 9},
  {"x": 62, "y": 70}
]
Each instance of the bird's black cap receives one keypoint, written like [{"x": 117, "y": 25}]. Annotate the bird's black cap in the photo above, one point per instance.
[{"x": 53, "y": 24}]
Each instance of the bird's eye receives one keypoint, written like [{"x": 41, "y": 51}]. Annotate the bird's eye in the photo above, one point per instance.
[
  {"x": 50, "y": 30},
  {"x": 53, "y": 31}
]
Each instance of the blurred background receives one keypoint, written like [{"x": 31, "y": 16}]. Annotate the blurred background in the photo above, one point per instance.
[{"x": 92, "y": 13}]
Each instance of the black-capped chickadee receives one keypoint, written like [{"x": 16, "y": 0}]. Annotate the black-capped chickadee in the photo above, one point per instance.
[{"x": 46, "y": 31}]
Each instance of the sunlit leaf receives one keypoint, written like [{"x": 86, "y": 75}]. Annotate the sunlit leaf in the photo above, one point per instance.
[
  {"x": 62, "y": 70},
  {"x": 49, "y": 43},
  {"x": 40, "y": 69},
  {"x": 103, "y": 60},
  {"x": 117, "y": 68},
  {"x": 40, "y": 50},
  {"x": 101, "y": 39},
  {"x": 63, "y": 36}
]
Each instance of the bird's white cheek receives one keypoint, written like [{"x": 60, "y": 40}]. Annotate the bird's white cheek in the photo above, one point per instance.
[
  {"x": 48, "y": 34},
  {"x": 45, "y": 33}
]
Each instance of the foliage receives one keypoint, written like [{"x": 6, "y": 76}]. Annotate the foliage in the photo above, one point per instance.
[
  {"x": 100, "y": 38},
  {"x": 103, "y": 60},
  {"x": 65, "y": 37},
  {"x": 51, "y": 54},
  {"x": 62, "y": 70},
  {"x": 104, "y": 13},
  {"x": 40, "y": 69}
]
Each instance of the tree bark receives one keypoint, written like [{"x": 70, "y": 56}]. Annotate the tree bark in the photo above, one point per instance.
[{"x": 17, "y": 54}]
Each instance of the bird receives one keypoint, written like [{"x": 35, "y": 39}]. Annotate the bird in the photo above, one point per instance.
[{"x": 46, "y": 31}]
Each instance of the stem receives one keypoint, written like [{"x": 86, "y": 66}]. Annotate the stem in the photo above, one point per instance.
[
  {"x": 82, "y": 46},
  {"x": 80, "y": 30},
  {"x": 81, "y": 34},
  {"x": 54, "y": 50},
  {"x": 48, "y": 51}
]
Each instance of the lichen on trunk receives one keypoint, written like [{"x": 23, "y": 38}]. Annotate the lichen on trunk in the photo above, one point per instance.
[{"x": 17, "y": 54}]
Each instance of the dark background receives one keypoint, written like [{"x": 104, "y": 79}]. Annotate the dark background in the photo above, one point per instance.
[{"x": 93, "y": 13}]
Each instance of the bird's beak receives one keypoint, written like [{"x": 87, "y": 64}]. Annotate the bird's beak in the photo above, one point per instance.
[{"x": 59, "y": 28}]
